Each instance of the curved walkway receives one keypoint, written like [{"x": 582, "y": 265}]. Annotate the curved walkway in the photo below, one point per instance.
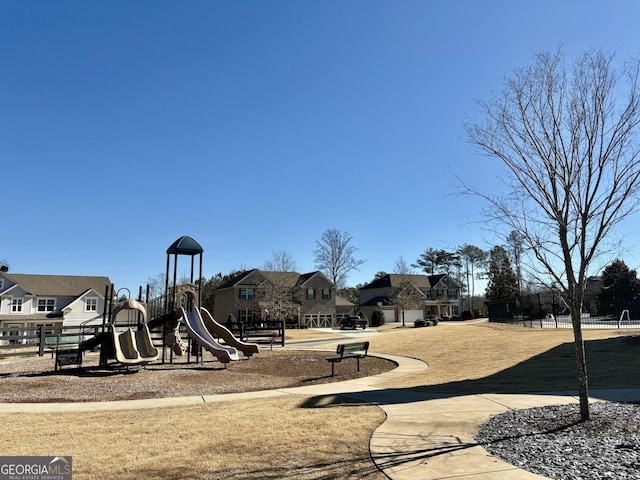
[{"x": 425, "y": 436}]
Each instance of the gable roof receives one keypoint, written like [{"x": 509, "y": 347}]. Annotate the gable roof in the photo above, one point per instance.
[
  {"x": 59, "y": 285},
  {"x": 382, "y": 300},
  {"x": 240, "y": 279},
  {"x": 341, "y": 301},
  {"x": 256, "y": 277},
  {"x": 397, "y": 280},
  {"x": 281, "y": 279},
  {"x": 305, "y": 277},
  {"x": 450, "y": 281}
]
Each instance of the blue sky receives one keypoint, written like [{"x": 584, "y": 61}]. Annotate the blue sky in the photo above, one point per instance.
[{"x": 254, "y": 126}]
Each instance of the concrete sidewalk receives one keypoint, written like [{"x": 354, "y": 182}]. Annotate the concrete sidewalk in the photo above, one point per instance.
[{"x": 424, "y": 437}]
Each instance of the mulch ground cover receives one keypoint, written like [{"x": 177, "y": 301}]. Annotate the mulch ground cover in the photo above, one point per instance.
[{"x": 33, "y": 380}]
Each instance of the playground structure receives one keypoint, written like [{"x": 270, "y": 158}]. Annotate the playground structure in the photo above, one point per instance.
[
  {"x": 133, "y": 347},
  {"x": 128, "y": 328}
]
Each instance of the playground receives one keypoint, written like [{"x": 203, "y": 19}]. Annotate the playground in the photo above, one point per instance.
[
  {"x": 34, "y": 381},
  {"x": 314, "y": 437},
  {"x": 224, "y": 414}
]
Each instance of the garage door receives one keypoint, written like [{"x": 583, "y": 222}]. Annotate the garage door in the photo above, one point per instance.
[{"x": 411, "y": 316}]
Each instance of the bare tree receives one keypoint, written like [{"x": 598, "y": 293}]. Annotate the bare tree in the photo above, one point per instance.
[
  {"x": 402, "y": 267},
  {"x": 278, "y": 297},
  {"x": 573, "y": 163},
  {"x": 407, "y": 297},
  {"x": 280, "y": 261},
  {"x": 334, "y": 256},
  {"x": 156, "y": 285}
]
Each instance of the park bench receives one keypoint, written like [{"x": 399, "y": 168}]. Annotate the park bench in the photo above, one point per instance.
[
  {"x": 265, "y": 333},
  {"x": 355, "y": 350},
  {"x": 66, "y": 349}
]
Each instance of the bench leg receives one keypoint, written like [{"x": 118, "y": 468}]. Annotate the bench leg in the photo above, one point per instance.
[
  {"x": 333, "y": 364},
  {"x": 358, "y": 359}
]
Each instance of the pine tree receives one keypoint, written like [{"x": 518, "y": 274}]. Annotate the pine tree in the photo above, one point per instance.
[{"x": 503, "y": 281}]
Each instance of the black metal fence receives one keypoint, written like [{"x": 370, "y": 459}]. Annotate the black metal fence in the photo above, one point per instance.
[{"x": 548, "y": 310}]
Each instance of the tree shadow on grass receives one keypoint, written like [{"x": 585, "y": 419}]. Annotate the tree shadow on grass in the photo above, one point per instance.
[
  {"x": 611, "y": 363},
  {"x": 346, "y": 467}
]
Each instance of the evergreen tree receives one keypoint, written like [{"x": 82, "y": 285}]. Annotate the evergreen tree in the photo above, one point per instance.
[
  {"x": 620, "y": 290},
  {"x": 503, "y": 281}
]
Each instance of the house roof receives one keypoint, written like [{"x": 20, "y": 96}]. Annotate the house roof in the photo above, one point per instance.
[
  {"x": 341, "y": 301},
  {"x": 435, "y": 279},
  {"x": 238, "y": 279},
  {"x": 305, "y": 277},
  {"x": 59, "y": 285},
  {"x": 281, "y": 279},
  {"x": 373, "y": 302},
  {"x": 396, "y": 280},
  {"x": 288, "y": 279}
]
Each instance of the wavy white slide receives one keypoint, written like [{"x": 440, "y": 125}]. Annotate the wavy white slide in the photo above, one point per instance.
[
  {"x": 223, "y": 332},
  {"x": 196, "y": 328}
]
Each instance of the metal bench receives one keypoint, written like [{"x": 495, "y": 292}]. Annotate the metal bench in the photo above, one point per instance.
[{"x": 355, "y": 350}]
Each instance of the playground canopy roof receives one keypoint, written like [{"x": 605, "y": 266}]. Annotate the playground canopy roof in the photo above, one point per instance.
[{"x": 185, "y": 246}]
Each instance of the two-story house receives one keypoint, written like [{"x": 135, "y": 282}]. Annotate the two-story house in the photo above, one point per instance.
[
  {"x": 53, "y": 300},
  {"x": 256, "y": 296},
  {"x": 412, "y": 297}
]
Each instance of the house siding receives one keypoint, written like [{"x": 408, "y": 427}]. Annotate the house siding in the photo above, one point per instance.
[
  {"x": 67, "y": 292},
  {"x": 295, "y": 311}
]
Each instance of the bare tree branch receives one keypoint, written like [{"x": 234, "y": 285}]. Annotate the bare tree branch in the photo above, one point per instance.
[{"x": 573, "y": 161}]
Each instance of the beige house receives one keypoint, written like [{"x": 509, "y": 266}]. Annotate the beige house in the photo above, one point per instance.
[
  {"x": 257, "y": 297},
  {"x": 411, "y": 297}
]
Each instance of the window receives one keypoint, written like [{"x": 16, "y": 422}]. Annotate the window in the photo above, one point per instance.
[
  {"x": 246, "y": 315},
  {"x": 91, "y": 304},
  {"x": 46, "y": 305},
  {"x": 326, "y": 294},
  {"x": 246, "y": 294},
  {"x": 426, "y": 292},
  {"x": 14, "y": 335},
  {"x": 311, "y": 293},
  {"x": 16, "y": 305},
  {"x": 439, "y": 293},
  {"x": 452, "y": 294}
]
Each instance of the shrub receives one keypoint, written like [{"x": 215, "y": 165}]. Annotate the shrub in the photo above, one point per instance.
[
  {"x": 420, "y": 323},
  {"x": 377, "y": 318}
]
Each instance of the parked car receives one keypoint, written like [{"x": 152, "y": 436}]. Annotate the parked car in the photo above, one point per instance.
[{"x": 352, "y": 322}]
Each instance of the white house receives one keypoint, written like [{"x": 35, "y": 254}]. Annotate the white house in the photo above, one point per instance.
[{"x": 52, "y": 300}]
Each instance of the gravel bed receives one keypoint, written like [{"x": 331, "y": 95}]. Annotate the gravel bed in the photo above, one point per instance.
[{"x": 552, "y": 442}]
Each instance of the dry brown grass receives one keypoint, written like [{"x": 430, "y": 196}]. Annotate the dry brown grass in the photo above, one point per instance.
[
  {"x": 257, "y": 439},
  {"x": 277, "y": 438},
  {"x": 501, "y": 358}
]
